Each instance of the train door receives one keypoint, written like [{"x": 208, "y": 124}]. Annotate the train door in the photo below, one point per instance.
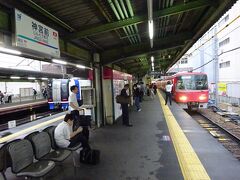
[
  {"x": 64, "y": 93},
  {"x": 50, "y": 95},
  {"x": 56, "y": 90},
  {"x": 54, "y": 96}
]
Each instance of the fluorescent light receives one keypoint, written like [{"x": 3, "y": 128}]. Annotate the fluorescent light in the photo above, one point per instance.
[
  {"x": 81, "y": 66},
  {"x": 153, "y": 68},
  {"x": 152, "y": 64},
  {"x": 15, "y": 77},
  {"x": 152, "y": 59},
  {"x": 10, "y": 51},
  {"x": 150, "y": 28},
  {"x": 44, "y": 78},
  {"x": 59, "y": 61},
  {"x": 31, "y": 78}
]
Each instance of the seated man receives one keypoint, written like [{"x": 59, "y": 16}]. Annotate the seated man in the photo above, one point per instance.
[{"x": 65, "y": 137}]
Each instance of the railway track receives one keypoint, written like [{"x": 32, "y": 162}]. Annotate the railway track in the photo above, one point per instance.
[
  {"x": 225, "y": 136},
  {"x": 4, "y": 126}
]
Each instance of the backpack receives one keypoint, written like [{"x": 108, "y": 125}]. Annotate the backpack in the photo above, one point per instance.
[{"x": 91, "y": 156}]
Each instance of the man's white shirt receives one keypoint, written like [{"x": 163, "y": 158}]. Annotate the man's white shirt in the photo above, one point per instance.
[
  {"x": 62, "y": 134},
  {"x": 73, "y": 99},
  {"x": 169, "y": 87}
]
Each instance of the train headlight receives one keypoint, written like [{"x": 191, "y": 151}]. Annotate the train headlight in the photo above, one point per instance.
[
  {"x": 183, "y": 98},
  {"x": 202, "y": 97}
]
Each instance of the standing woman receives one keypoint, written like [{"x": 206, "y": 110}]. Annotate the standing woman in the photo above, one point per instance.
[{"x": 168, "y": 90}]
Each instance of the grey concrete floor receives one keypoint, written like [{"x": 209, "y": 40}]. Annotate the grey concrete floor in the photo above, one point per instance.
[
  {"x": 217, "y": 160},
  {"x": 141, "y": 152}
]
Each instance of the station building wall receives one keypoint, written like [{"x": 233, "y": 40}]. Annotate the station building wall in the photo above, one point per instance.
[{"x": 227, "y": 46}]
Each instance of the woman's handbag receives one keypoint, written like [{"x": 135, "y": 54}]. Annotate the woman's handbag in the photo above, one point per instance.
[{"x": 122, "y": 99}]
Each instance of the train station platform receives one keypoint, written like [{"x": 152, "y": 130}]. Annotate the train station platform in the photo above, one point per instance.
[
  {"x": 20, "y": 106},
  {"x": 165, "y": 143}
]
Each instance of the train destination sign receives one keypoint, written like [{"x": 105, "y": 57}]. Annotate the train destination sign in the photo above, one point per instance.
[{"x": 32, "y": 34}]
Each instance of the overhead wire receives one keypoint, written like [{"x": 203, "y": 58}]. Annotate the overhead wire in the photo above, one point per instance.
[
  {"x": 217, "y": 32},
  {"x": 227, "y": 25}
]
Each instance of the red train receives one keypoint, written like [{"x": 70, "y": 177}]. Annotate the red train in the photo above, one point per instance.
[{"x": 190, "y": 89}]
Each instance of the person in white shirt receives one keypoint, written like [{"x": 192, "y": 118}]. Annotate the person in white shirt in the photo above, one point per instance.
[
  {"x": 65, "y": 137},
  {"x": 74, "y": 106},
  {"x": 168, "y": 90}
]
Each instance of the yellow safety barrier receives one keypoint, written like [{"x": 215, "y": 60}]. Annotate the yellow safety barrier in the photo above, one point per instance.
[
  {"x": 191, "y": 166},
  {"x": 27, "y": 130}
]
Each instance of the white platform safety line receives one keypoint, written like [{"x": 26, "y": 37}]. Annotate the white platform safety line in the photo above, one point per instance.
[
  {"x": 30, "y": 129},
  {"x": 191, "y": 166}
]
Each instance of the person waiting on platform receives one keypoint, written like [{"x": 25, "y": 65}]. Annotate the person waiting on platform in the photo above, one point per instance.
[
  {"x": 168, "y": 90},
  {"x": 151, "y": 91},
  {"x": 124, "y": 106},
  {"x": 1, "y": 97},
  {"x": 74, "y": 106},
  {"x": 66, "y": 137},
  {"x": 136, "y": 96},
  {"x": 142, "y": 91},
  {"x": 34, "y": 94},
  {"x": 155, "y": 88}
]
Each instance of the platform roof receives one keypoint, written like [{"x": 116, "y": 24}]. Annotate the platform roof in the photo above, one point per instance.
[{"x": 118, "y": 29}]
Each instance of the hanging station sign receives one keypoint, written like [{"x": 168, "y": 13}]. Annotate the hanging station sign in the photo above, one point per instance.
[{"x": 33, "y": 35}]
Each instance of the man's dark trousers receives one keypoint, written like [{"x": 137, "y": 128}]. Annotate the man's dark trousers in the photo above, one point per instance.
[
  {"x": 79, "y": 138},
  {"x": 76, "y": 123},
  {"x": 125, "y": 114},
  {"x": 76, "y": 119},
  {"x": 168, "y": 96}
]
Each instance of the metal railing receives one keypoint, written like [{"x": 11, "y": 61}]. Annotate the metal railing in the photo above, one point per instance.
[{"x": 226, "y": 99}]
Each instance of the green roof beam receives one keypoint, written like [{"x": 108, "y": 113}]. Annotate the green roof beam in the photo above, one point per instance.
[
  {"x": 120, "y": 54},
  {"x": 183, "y": 7}
]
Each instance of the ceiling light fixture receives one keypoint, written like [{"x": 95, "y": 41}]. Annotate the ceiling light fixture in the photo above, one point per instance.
[
  {"x": 15, "y": 77},
  {"x": 59, "y": 61},
  {"x": 31, "y": 78},
  {"x": 44, "y": 78},
  {"x": 152, "y": 59},
  {"x": 81, "y": 66},
  {"x": 10, "y": 51},
  {"x": 150, "y": 21},
  {"x": 150, "y": 28}
]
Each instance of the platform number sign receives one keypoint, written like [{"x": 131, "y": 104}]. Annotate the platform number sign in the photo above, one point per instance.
[{"x": 34, "y": 35}]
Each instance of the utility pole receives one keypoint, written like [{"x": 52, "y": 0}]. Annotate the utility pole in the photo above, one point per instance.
[
  {"x": 202, "y": 58},
  {"x": 216, "y": 66}
]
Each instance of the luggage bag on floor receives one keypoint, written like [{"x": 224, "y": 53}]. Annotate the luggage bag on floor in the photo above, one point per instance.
[{"x": 90, "y": 156}]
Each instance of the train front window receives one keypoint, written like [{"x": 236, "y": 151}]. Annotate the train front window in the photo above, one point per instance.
[{"x": 192, "y": 82}]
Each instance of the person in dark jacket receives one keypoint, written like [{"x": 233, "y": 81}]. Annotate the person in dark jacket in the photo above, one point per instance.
[
  {"x": 125, "y": 113},
  {"x": 137, "y": 96},
  {"x": 155, "y": 88}
]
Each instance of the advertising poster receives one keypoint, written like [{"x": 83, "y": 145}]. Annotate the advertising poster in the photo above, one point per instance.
[
  {"x": 222, "y": 89},
  {"x": 117, "y": 87}
]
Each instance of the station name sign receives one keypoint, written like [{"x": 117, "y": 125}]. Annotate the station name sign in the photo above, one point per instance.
[{"x": 33, "y": 35}]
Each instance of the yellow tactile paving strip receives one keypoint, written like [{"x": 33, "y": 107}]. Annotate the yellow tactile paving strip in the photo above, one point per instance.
[
  {"x": 30, "y": 129},
  {"x": 191, "y": 166}
]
